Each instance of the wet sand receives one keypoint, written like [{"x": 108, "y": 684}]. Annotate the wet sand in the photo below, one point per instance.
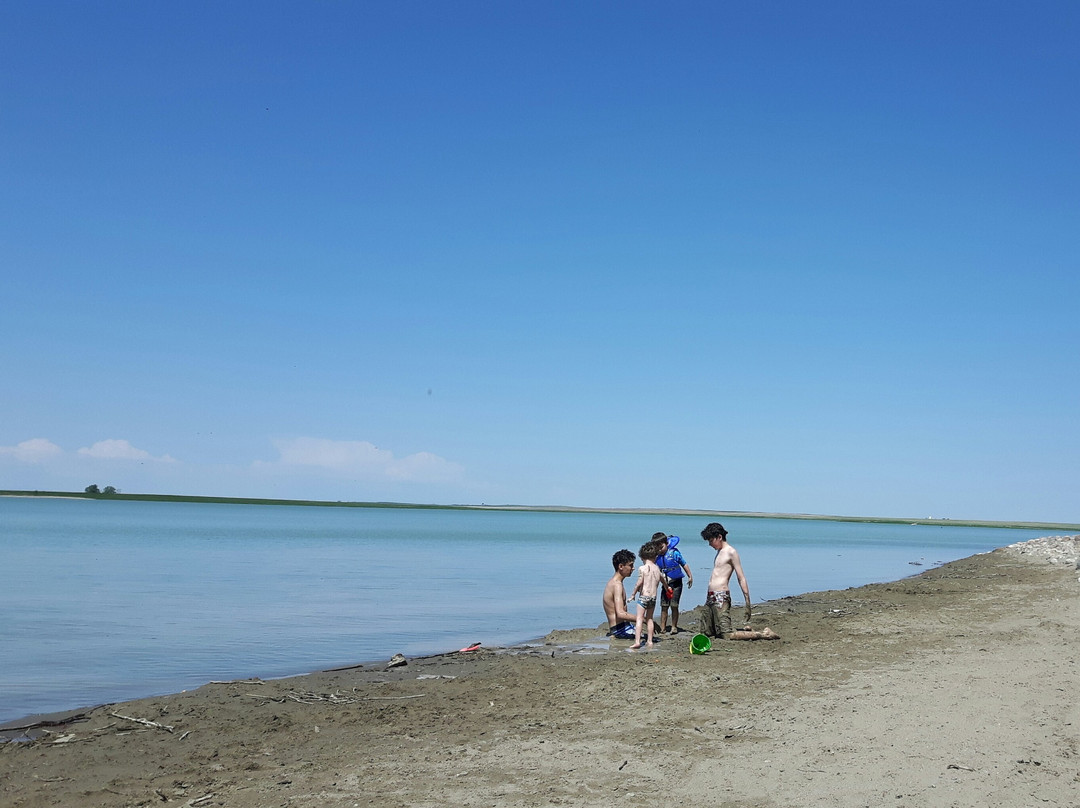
[{"x": 958, "y": 687}]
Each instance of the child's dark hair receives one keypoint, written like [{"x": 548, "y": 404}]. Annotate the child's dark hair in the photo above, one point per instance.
[
  {"x": 659, "y": 537},
  {"x": 712, "y": 530},
  {"x": 649, "y": 551},
  {"x": 621, "y": 557}
]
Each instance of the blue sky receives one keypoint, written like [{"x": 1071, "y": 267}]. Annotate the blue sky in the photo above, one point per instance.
[{"x": 796, "y": 257}]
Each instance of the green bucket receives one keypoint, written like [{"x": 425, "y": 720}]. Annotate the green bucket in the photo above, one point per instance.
[{"x": 699, "y": 644}]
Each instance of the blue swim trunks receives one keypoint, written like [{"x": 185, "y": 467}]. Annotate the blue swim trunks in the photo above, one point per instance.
[{"x": 622, "y": 631}]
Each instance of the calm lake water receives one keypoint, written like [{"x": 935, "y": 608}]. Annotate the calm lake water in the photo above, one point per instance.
[{"x": 111, "y": 600}]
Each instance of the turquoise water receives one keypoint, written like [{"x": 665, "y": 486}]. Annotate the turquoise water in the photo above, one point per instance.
[{"x": 110, "y": 600}]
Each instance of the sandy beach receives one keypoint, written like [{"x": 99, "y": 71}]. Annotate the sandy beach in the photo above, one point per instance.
[{"x": 957, "y": 687}]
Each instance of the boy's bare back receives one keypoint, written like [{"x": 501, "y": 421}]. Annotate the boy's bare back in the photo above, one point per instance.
[
  {"x": 615, "y": 601},
  {"x": 648, "y": 579}
]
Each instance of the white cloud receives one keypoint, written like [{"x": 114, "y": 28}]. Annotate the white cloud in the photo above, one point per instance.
[
  {"x": 363, "y": 459},
  {"x": 347, "y": 455},
  {"x": 426, "y": 467},
  {"x": 120, "y": 450},
  {"x": 35, "y": 450}
]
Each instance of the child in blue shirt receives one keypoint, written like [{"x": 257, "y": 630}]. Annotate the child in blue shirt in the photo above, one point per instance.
[{"x": 674, "y": 567}]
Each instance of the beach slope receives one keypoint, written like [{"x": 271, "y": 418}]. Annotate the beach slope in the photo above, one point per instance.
[{"x": 957, "y": 687}]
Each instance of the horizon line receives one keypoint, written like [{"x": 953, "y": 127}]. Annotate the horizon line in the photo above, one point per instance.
[{"x": 930, "y": 520}]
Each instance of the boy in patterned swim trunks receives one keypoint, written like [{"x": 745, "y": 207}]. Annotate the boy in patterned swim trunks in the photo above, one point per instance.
[
  {"x": 645, "y": 591},
  {"x": 716, "y": 619}
]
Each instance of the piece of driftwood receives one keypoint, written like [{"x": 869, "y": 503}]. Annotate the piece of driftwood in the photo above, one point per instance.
[
  {"x": 145, "y": 722},
  {"x": 264, "y": 696},
  {"x": 344, "y": 668},
  {"x": 254, "y": 681},
  {"x": 47, "y": 722},
  {"x": 313, "y": 698}
]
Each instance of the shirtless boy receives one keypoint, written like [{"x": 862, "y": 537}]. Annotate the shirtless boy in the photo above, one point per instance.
[
  {"x": 620, "y": 621},
  {"x": 645, "y": 591},
  {"x": 716, "y": 618}
]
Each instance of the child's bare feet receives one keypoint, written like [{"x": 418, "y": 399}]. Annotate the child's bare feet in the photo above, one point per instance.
[{"x": 635, "y": 646}]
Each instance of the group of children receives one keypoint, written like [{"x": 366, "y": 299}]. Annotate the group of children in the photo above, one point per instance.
[
  {"x": 650, "y": 578},
  {"x": 667, "y": 577}
]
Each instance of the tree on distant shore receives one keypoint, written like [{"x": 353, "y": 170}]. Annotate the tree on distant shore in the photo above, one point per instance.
[
  {"x": 109, "y": 491},
  {"x": 92, "y": 489}
]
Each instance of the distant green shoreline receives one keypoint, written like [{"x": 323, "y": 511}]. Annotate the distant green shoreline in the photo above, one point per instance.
[{"x": 543, "y": 508}]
